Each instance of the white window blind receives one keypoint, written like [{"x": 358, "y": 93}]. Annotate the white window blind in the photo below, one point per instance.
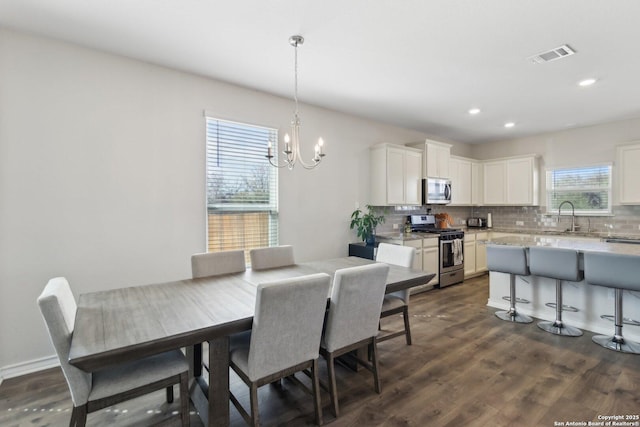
[
  {"x": 588, "y": 188},
  {"x": 242, "y": 188}
]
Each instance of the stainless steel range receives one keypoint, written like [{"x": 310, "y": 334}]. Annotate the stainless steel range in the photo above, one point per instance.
[{"x": 451, "y": 265}]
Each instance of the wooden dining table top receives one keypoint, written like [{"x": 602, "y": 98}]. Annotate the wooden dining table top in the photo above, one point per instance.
[{"x": 118, "y": 325}]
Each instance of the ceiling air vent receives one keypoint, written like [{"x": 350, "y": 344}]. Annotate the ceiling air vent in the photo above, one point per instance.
[{"x": 553, "y": 54}]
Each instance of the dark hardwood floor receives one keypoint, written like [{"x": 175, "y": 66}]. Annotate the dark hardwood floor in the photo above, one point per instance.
[{"x": 465, "y": 368}]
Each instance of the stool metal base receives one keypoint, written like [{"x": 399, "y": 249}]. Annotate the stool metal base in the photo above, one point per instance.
[
  {"x": 559, "y": 328},
  {"x": 512, "y": 316},
  {"x": 518, "y": 300},
  {"x": 617, "y": 343}
]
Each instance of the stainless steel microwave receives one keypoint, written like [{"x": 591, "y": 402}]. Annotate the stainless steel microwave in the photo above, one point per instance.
[{"x": 436, "y": 191}]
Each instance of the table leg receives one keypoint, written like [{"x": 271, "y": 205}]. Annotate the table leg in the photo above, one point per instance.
[
  {"x": 194, "y": 357},
  {"x": 219, "y": 381}
]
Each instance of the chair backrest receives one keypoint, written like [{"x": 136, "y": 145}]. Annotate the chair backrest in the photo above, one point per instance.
[
  {"x": 507, "y": 259},
  {"x": 397, "y": 255},
  {"x": 356, "y": 301},
  {"x": 555, "y": 263},
  {"x": 287, "y": 324},
  {"x": 58, "y": 307},
  {"x": 612, "y": 270},
  {"x": 217, "y": 263},
  {"x": 275, "y": 256}
]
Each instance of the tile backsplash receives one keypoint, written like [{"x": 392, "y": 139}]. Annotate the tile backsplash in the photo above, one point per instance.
[{"x": 625, "y": 220}]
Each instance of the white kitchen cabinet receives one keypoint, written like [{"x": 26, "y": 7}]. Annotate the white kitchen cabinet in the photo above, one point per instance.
[
  {"x": 495, "y": 178},
  {"x": 435, "y": 158},
  {"x": 512, "y": 181},
  {"x": 431, "y": 258},
  {"x": 461, "y": 180},
  {"x": 481, "y": 253},
  {"x": 629, "y": 174},
  {"x": 469, "y": 254},
  {"x": 395, "y": 175},
  {"x": 477, "y": 183}
]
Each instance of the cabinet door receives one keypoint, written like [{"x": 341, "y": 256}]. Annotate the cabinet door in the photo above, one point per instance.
[
  {"x": 460, "y": 172},
  {"x": 629, "y": 176},
  {"x": 477, "y": 183},
  {"x": 413, "y": 178},
  {"x": 395, "y": 176},
  {"x": 437, "y": 161},
  {"x": 494, "y": 183},
  {"x": 481, "y": 253},
  {"x": 469, "y": 258},
  {"x": 430, "y": 262},
  {"x": 520, "y": 181}
]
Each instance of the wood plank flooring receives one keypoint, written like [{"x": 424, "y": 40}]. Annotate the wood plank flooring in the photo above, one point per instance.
[{"x": 465, "y": 368}]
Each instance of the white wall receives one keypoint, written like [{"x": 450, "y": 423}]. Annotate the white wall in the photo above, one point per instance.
[{"x": 102, "y": 176}]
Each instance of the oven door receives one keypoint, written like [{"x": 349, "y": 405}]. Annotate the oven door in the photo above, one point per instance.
[{"x": 451, "y": 258}]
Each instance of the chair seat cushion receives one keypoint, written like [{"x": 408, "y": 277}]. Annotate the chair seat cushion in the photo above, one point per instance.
[
  {"x": 239, "y": 349},
  {"x": 131, "y": 375},
  {"x": 391, "y": 301}
]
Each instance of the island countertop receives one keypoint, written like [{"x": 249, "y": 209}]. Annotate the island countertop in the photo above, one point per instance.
[{"x": 566, "y": 243}]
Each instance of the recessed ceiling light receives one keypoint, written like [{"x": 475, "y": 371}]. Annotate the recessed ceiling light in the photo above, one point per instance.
[
  {"x": 587, "y": 82},
  {"x": 474, "y": 111},
  {"x": 509, "y": 125}
]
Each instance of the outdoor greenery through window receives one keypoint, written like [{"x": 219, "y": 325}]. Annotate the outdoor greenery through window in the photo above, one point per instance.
[
  {"x": 588, "y": 188},
  {"x": 242, "y": 188}
]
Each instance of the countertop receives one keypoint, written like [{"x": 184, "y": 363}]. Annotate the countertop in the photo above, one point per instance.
[
  {"x": 566, "y": 243},
  {"x": 550, "y": 233}
]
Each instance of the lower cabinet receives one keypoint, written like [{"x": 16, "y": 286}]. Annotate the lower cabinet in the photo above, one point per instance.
[
  {"x": 431, "y": 258},
  {"x": 469, "y": 254},
  {"x": 481, "y": 253}
]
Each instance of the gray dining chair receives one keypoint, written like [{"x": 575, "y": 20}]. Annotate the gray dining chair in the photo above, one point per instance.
[
  {"x": 396, "y": 302},
  {"x": 284, "y": 338},
  {"x": 208, "y": 265},
  {"x": 352, "y": 320},
  {"x": 94, "y": 391},
  {"x": 217, "y": 263},
  {"x": 272, "y": 257}
]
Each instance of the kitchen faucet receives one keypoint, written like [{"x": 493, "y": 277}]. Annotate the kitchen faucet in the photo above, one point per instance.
[{"x": 573, "y": 215}]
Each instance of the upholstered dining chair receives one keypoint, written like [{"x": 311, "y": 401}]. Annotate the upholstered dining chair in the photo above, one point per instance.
[
  {"x": 94, "y": 391},
  {"x": 217, "y": 263},
  {"x": 207, "y": 265},
  {"x": 284, "y": 338},
  {"x": 352, "y": 320},
  {"x": 272, "y": 257},
  {"x": 396, "y": 302}
]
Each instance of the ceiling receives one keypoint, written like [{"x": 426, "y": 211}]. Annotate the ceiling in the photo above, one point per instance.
[{"x": 419, "y": 64}]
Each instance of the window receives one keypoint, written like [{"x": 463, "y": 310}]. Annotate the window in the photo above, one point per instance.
[
  {"x": 588, "y": 188},
  {"x": 242, "y": 188}
]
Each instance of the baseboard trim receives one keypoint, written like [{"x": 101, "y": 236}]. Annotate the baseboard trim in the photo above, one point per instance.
[{"x": 28, "y": 367}]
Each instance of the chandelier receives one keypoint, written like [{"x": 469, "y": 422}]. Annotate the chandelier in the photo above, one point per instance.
[{"x": 291, "y": 151}]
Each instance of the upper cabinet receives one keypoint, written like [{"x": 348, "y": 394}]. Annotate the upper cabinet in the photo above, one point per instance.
[
  {"x": 396, "y": 175},
  {"x": 629, "y": 174},
  {"x": 435, "y": 158},
  {"x": 512, "y": 181},
  {"x": 460, "y": 172}
]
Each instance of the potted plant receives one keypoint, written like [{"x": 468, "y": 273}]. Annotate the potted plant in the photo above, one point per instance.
[{"x": 365, "y": 224}]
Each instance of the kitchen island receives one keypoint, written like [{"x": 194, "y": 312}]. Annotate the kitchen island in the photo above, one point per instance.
[{"x": 591, "y": 301}]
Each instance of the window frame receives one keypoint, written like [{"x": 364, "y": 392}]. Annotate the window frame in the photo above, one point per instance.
[
  {"x": 607, "y": 211},
  {"x": 243, "y": 156}
]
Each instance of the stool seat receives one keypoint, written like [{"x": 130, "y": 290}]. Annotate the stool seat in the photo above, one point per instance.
[
  {"x": 513, "y": 261},
  {"x": 560, "y": 264},
  {"x": 620, "y": 272}
]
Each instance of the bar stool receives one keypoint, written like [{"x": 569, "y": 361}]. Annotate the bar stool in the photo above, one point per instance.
[
  {"x": 511, "y": 260},
  {"x": 619, "y": 272},
  {"x": 559, "y": 264}
]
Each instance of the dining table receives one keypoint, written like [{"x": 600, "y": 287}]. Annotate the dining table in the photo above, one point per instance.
[{"x": 119, "y": 325}]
